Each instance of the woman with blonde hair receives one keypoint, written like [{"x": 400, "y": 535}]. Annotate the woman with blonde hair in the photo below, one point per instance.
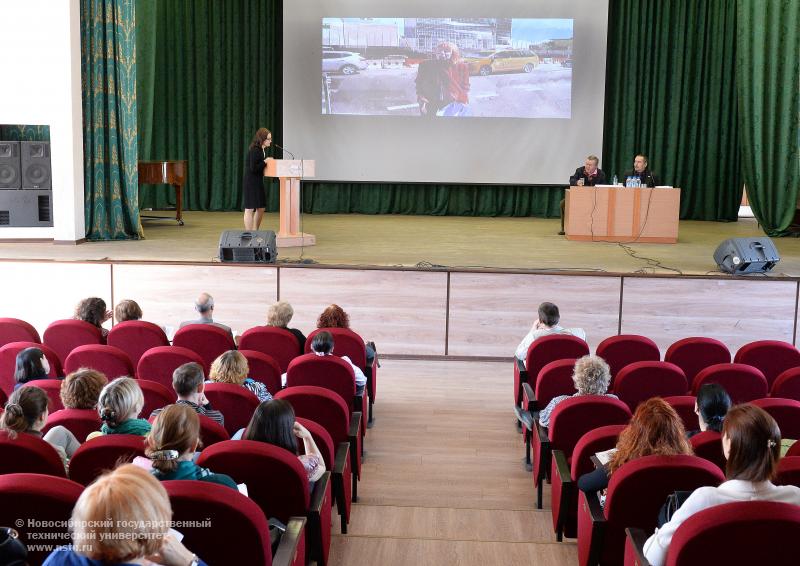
[
  {"x": 231, "y": 367},
  {"x": 172, "y": 443},
  {"x": 123, "y": 518},
  {"x": 119, "y": 406},
  {"x": 591, "y": 376},
  {"x": 279, "y": 315}
]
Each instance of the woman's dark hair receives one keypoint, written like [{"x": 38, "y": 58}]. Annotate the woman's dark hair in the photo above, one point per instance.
[
  {"x": 333, "y": 317},
  {"x": 25, "y": 406},
  {"x": 258, "y": 139},
  {"x": 713, "y": 403},
  {"x": 273, "y": 423},
  {"x": 29, "y": 365},
  {"x": 322, "y": 343},
  {"x": 755, "y": 444},
  {"x": 91, "y": 310}
]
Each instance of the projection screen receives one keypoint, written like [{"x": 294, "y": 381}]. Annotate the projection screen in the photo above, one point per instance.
[{"x": 506, "y": 92}]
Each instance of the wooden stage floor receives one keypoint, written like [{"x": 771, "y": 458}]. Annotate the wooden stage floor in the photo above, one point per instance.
[{"x": 455, "y": 242}]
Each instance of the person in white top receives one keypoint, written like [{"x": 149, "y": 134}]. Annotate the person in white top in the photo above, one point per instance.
[
  {"x": 322, "y": 345},
  {"x": 546, "y": 324},
  {"x": 751, "y": 441}
]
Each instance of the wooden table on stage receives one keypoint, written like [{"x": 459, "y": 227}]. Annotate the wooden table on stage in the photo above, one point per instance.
[
  {"x": 290, "y": 171},
  {"x": 172, "y": 173},
  {"x": 621, "y": 214}
]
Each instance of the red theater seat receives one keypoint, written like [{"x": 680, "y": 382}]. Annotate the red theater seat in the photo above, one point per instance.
[
  {"x": 53, "y": 389},
  {"x": 263, "y": 368},
  {"x": 640, "y": 381},
  {"x": 772, "y": 357},
  {"x": 787, "y": 385},
  {"x": 278, "y": 343},
  {"x": 63, "y": 336},
  {"x": 108, "y": 360},
  {"x": 619, "y": 351},
  {"x": 16, "y": 330},
  {"x": 29, "y": 454},
  {"x": 742, "y": 382},
  {"x": 103, "y": 453},
  {"x": 236, "y": 402},
  {"x": 708, "y": 445},
  {"x": 156, "y": 396},
  {"x": 80, "y": 422},
  {"x": 543, "y": 351},
  {"x": 135, "y": 337},
  {"x": 157, "y": 364},
  {"x": 697, "y": 353},
  {"x": 786, "y": 413},
  {"x": 684, "y": 406},
  {"x": 8, "y": 363},
  {"x": 206, "y": 340}
]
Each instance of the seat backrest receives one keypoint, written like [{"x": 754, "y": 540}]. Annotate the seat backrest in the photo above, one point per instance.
[
  {"x": 639, "y": 488},
  {"x": 104, "y": 453},
  {"x": 8, "y": 362},
  {"x": 235, "y": 518},
  {"x": 787, "y": 384},
  {"x": 788, "y": 471},
  {"x": 156, "y": 396},
  {"x": 747, "y": 532},
  {"x": 263, "y": 368},
  {"x": 157, "y": 364},
  {"x": 80, "y": 422},
  {"x": 794, "y": 450},
  {"x": 684, "y": 406},
  {"x": 135, "y": 337},
  {"x": 206, "y": 340},
  {"x": 553, "y": 347},
  {"x": 708, "y": 445},
  {"x": 63, "y": 336},
  {"x": 574, "y": 417},
  {"x": 16, "y": 330},
  {"x": 596, "y": 440},
  {"x": 236, "y": 402},
  {"x": 742, "y": 382},
  {"x": 772, "y": 357},
  {"x": 554, "y": 379},
  {"x": 43, "y": 506},
  {"x": 329, "y": 372},
  {"x": 696, "y": 353},
  {"x": 320, "y": 405},
  {"x": 27, "y": 453},
  {"x": 273, "y": 341},
  {"x": 619, "y": 351},
  {"x": 639, "y": 381},
  {"x": 211, "y": 431},
  {"x": 53, "y": 389},
  {"x": 345, "y": 343},
  {"x": 108, "y": 360},
  {"x": 3, "y": 399},
  {"x": 786, "y": 413}
]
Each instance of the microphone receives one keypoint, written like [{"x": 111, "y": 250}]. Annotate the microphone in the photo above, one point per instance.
[{"x": 286, "y": 150}]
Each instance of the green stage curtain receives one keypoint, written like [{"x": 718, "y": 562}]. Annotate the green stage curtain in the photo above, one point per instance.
[
  {"x": 769, "y": 103},
  {"x": 108, "y": 69},
  {"x": 212, "y": 77},
  {"x": 671, "y": 94},
  {"x": 24, "y": 133}
]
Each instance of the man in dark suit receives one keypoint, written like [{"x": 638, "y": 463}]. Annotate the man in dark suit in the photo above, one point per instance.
[
  {"x": 587, "y": 176},
  {"x": 641, "y": 170}
]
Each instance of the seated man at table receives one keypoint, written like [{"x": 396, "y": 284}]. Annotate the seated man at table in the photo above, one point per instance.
[
  {"x": 587, "y": 176},
  {"x": 546, "y": 324},
  {"x": 640, "y": 169}
]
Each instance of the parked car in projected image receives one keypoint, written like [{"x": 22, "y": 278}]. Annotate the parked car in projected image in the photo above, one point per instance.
[
  {"x": 345, "y": 62},
  {"x": 512, "y": 60}
]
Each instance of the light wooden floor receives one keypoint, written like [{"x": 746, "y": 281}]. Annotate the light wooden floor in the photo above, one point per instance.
[{"x": 443, "y": 478}]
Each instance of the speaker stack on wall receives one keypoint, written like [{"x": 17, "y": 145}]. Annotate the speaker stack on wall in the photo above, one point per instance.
[{"x": 26, "y": 195}]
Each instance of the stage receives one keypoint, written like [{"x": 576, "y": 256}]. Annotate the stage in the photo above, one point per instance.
[
  {"x": 454, "y": 242},
  {"x": 422, "y": 287}
]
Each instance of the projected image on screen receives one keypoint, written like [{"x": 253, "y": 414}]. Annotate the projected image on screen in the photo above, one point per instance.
[{"x": 459, "y": 67}]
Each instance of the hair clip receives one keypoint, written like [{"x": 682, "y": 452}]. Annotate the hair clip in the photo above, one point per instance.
[
  {"x": 164, "y": 455},
  {"x": 771, "y": 443}
]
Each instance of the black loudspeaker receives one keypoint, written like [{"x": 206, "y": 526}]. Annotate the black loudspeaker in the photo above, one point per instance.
[
  {"x": 240, "y": 246},
  {"x": 746, "y": 255},
  {"x": 10, "y": 177},
  {"x": 35, "y": 165}
]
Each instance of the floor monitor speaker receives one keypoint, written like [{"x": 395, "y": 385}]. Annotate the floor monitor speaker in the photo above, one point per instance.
[
  {"x": 746, "y": 255},
  {"x": 242, "y": 246}
]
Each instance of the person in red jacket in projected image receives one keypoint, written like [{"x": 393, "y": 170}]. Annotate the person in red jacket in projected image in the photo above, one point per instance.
[{"x": 443, "y": 83}]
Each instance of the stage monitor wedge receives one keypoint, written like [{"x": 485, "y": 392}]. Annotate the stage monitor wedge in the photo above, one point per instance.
[
  {"x": 740, "y": 256},
  {"x": 240, "y": 246}
]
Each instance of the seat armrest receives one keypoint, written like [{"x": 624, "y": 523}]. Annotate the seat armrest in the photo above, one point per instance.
[
  {"x": 562, "y": 468},
  {"x": 527, "y": 393},
  {"x": 342, "y": 454},
  {"x": 544, "y": 437},
  {"x": 637, "y": 538},
  {"x": 355, "y": 424},
  {"x": 358, "y": 400},
  {"x": 523, "y": 373},
  {"x": 287, "y": 549},
  {"x": 594, "y": 507},
  {"x": 318, "y": 495}
]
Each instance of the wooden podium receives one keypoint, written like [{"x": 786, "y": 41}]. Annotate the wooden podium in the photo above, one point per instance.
[
  {"x": 290, "y": 171},
  {"x": 622, "y": 214}
]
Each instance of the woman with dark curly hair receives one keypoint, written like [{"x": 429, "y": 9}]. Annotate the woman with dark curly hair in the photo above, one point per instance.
[
  {"x": 335, "y": 317},
  {"x": 93, "y": 310}
]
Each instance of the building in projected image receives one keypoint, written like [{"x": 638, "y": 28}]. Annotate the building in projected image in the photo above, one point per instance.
[
  {"x": 359, "y": 33},
  {"x": 424, "y": 34}
]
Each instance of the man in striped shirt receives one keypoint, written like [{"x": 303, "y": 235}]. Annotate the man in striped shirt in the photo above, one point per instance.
[{"x": 188, "y": 382}]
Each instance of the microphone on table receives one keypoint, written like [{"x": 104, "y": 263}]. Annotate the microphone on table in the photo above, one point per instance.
[{"x": 286, "y": 150}]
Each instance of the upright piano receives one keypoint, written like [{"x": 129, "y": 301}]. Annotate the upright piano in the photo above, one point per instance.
[{"x": 172, "y": 172}]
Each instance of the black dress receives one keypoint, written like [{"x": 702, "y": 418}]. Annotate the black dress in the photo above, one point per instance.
[{"x": 254, "y": 195}]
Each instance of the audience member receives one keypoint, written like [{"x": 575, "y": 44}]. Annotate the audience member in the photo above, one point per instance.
[
  {"x": 751, "y": 442},
  {"x": 546, "y": 324},
  {"x": 655, "y": 430},
  {"x": 335, "y": 317},
  {"x": 322, "y": 345},
  {"x": 172, "y": 444},
  {"x": 127, "y": 310},
  {"x": 204, "y": 305},
  {"x": 26, "y": 412},
  {"x": 188, "y": 382},
  {"x": 81, "y": 389},
  {"x": 123, "y": 518},
  {"x": 93, "y": 310},
  {"x": 279, "y": 315},
  {"x": 32, "y": 364},
  {"x": 119, "y": 406},
  {"x": 273, "y": 422},
  {"x": 591, "y": 376},
  {"x": 231, "y": 367},
  {"x": 711, "y": 406}
]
